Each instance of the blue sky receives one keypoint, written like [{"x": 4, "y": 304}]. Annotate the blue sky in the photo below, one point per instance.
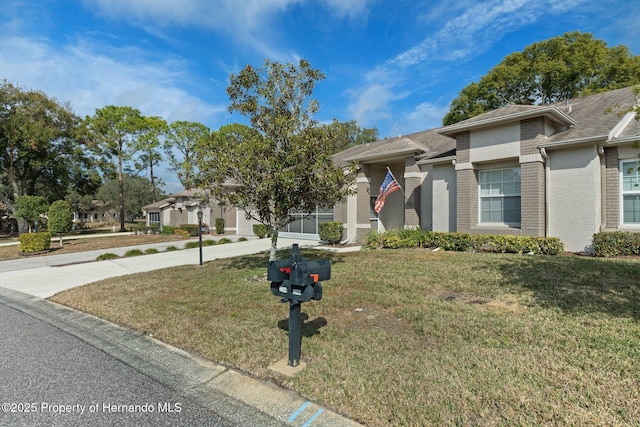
[{"x": 395, "y": 65}]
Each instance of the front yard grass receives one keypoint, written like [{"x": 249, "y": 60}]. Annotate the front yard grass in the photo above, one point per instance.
[{"x": 413, "y": 337}]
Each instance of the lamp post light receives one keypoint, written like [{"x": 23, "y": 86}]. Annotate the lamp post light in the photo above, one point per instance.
[{"x": 200, "y": 233}]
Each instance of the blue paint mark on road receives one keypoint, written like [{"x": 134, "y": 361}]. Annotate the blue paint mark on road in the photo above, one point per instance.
[
  {"x": 310, "y": 420},
  {"x": 299, "y": 411}
]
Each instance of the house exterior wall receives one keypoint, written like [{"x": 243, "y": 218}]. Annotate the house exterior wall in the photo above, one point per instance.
[
  {"x": 426, "y": 197},
  {"x": 363, "y": 186},
  {"x": 574, "y": 199},
  {"x": 487, "y": 145},
  {"x": 443, "y": 206},
  {"x": 413, "y": 179}
]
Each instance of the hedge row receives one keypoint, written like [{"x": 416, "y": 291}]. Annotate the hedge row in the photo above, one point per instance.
[
  {"x": 35, "y": 242},
  {"x": 418, "y": 238},
  {"x": 616, "y": 243}
]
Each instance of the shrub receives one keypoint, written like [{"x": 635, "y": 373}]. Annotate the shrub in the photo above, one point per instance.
[
  {"x": 150, "y": 251},
  {"x": 416, "y": 238},
  {"x": 108, "y": 255},
  {"x": 330, "y": 232},
  {"x": 192, "y": 229},
  {"x": 242, "y": 239},
  {"x": 168, "y": 230},
  {"x": 191, "y": 245},
  {"x": 224, "y": 240},
  {"x": 133, "y": 252},
  {"x": 260, "y": 230},
  {"x": 60, "y": 217},
  {"x": 171, "y": 248},
  {"x": 35, "y": 242},
  {"x": 209, "y": 242},
  {"x": 219, "y": 225},
  {"x": 182, "y": 233},
  {"x": 616, "y": 243}
]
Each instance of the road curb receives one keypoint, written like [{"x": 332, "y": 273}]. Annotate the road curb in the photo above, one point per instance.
[{"x": 214, "y": 387}]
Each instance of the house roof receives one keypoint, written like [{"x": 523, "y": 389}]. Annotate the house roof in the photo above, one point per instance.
[
  {"x": 427, "y": 144},
  {"x": 586, "y": 118}
]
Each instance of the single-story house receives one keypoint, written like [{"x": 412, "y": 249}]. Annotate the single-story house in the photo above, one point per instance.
[
  {"x": 566, "y": 170},
  {"x": 99, "y": 213}
]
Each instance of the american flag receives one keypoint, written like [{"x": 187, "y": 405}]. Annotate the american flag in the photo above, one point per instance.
[{"x": 389, "y": 185}]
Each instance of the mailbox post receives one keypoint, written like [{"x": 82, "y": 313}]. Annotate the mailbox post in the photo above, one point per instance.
[{"x": 297, "y": 280}]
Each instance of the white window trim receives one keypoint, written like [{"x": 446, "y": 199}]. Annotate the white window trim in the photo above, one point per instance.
[
  {"x": 634, "y": 225},
  {"x": 498, "y": 224}
]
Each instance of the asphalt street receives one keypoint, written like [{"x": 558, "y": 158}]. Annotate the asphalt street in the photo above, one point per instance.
[{"x": 62, "y": 367}]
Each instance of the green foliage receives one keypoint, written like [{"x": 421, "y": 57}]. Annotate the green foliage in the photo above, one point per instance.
[
  {"x": 182, "y": 233},
  {"x": 224, "y": 240},
  {"x": 60, "y": 217},
  {"x": 35, "y": 242},
  {"x": 192, "y": 245},
  {"x": 133, "y": 252},
  {"x": 31, "y": 209},
  {"x": 150, "y": 251},
  {"x": 282, "y": 164},
  {"x": 465, "y": 242},
  {"x": 219, "y": 225},
  {"x": 616, "y": 243},
  {"x": 192, "y": 229},
  {"x": 209, "y": 242},
  {"x": 260, "y": 230},
  {"x": 330, "y": 232},
  {"x": 107, "y": 256},
  {"x": 171, "y": 248},
  {"x": 574, "y": 64},
  {"x": 242, "y": 239},
  {"x": 41, "y": 154},
  {"x": 183, "y": 138},
  {"x": 137, "y": 193},
  {"x": 168, "y": 230}
]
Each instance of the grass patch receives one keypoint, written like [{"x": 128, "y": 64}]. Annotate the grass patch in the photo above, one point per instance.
[
  {"x": 108, "y": 255},
  {"x": 133, "y": 252},
  {"x": 171, "y": 248},
  {"x": 150, "y": 251},
  {"x": 413, "y": 337},
  {"x": 89, "y": 244}
]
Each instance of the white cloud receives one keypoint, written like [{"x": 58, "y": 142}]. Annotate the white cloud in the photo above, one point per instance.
[
  {"x": 89, "y": 77},
  {"x": 465, "y": 36}
]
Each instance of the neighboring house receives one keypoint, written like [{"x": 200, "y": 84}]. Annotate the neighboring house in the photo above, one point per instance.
[
  {"x": 566, "y": 170},
  {"x": 101, "y": 212},
  {"x": 182, "y": 208}
]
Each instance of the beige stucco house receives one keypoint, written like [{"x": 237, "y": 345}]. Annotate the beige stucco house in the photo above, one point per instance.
[{"x": 566, "y": 170}]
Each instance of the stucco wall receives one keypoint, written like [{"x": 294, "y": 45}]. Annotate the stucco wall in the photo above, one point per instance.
[
  {"x": 574, "y": 198},
  {"x": 495, "y": 143},
  {"x": 444, "y": 198}
]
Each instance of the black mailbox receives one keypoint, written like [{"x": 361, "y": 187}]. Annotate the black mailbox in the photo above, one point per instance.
[{"x": 297, "y": 279}]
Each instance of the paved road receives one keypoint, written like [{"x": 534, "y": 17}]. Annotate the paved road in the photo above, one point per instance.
[{"x": 53, "y": 358}]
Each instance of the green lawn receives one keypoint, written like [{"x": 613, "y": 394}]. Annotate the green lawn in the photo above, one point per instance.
[{"x": 414, "y": 337}]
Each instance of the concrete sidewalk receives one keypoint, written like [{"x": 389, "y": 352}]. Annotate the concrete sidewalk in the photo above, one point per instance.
[
  {"x": 24, "y": 282},
  {"x": 45, "y": 276}
]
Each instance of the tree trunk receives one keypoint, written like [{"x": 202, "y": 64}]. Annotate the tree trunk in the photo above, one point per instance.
[
  {"x": 121, "y": 189},
  {"x": 154, "y": 195},
  {"x": 274, "y": 245}
]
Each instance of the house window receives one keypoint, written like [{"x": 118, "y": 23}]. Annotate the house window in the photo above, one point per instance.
[
  {"x": 154, "y": 218},
  {"x": 630, "y": 191},
  {"x": 500, "y": 196}
]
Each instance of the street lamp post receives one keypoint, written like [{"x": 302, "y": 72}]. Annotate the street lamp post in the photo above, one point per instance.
[{"x": 200, "y": 233}]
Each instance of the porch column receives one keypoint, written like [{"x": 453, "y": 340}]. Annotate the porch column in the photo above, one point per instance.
[
  {"x": 363, "y": 209},
  {"x": 412, "y": 181}
]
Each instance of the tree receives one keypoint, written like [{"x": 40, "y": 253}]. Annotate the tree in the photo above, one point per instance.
[
  {"x": 148, "y": 145},
  {"x": 60, "y": 218},
  {"x": 137, "y": 192},
  {"x": 350, "y": 134},
  {"x": 283, "y": 163},
  {"x": 184, "y": 136},
  {"x": 40, "y": 151},
  {"x": 31, "y": 209},
  {"x": 574, "y": 64},
  {"x": 113, "y": 133}
]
